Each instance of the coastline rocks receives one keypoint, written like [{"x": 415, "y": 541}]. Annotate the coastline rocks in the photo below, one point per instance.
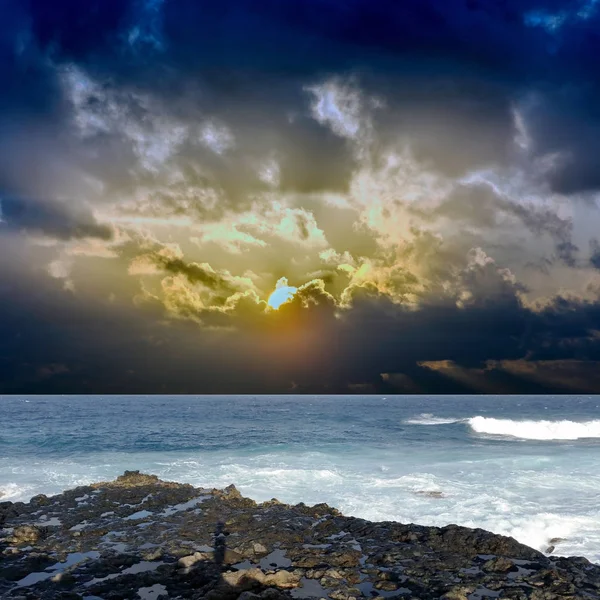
[
  {"x": 142, "y": 538},
  {"x": 134, "y": 479},
  {"x": 499, "y": 565},
  {"x": 188, "y": 561},
  {"x": 279, "y": 579},
  {"x": 40, "y": 500},
  {"x": 26, "y": 534}
]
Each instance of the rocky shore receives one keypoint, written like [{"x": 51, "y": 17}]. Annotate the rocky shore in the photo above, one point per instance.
[{"x": 140, "y": 537}]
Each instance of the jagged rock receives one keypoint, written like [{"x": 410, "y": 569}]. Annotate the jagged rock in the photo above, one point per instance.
[
  {"x": 40, "y": 500},
  {"x": 188, "y": 561},
  {"x": 138, "y": 532},
  {"x": 345, "y": 594},
  {"x": 258, "y": 548},
  {"x": 249, "y": 596},
  {"x": 282, "y": 579},
  {"x": 386, "y": 586},
  {"x": 458, "y": 593},
  {"x": 233, "y": 578},
  {"x": 134, "y": 479},
  {"x": 499, "y": 565},
  {"x": 556, "y": 540},
  {"x": 232, "y": 493},
  {"x": 273, "y": 594},
  {"x": 232, "y": 557},
  {"x": 155, "y": 554},
  {"x": 26, "y": 534}
]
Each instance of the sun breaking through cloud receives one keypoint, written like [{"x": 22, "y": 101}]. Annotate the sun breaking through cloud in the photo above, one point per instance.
[{"x": 283, "y": 293}]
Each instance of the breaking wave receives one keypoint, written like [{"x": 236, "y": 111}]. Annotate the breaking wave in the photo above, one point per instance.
[
  {"x": 536, "y": 430},
  {"x": 429, "y": 419}
]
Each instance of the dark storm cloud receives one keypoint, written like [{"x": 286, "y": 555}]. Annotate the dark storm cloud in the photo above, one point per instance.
[
  {"x": 566, "y": 121},
  {"x": 119, "y": 89},
  {"x": 481, "y": 206},
  {"x": 595, "y": 254},
  {"x": 194, "y": 273},
  {"x": 501, "y": 346},
  {"x": 492, "y": 346},
  {"x": 452, "y": 71},
  {"x": 51, "y": 218}
]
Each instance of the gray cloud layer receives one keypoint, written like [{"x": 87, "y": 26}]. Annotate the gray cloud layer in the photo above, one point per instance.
[{"x": 425, "y": 172}]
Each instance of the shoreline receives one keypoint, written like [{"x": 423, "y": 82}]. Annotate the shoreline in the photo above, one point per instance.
[
  {"x": 553, "y": 543},
  {"x": 140, "y": 537}
]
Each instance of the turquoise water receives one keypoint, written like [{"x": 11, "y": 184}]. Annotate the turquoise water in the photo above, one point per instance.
[{"x": 522, "y": 466}]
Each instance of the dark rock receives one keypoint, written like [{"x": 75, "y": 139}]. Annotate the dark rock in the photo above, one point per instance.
[
  {"x": 40, "y": 500},
  {"x": 139, "y": 531},
  {"x": 26, "y": 534},
  {"x": 500, "y": 565},
  {"x": 232, "y": 493},
  {"x": 135, "y": 478}
]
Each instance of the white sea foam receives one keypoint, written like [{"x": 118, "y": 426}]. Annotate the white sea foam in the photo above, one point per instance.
[
  {"x": 536, "y": 430},
  {"x": 429, "y": 419},
  {"x": 534, "y": 495},
  {"x": 14, "y": 492}
]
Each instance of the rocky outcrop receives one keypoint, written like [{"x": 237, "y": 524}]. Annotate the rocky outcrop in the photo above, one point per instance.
[{"x": 140, "y": 537}]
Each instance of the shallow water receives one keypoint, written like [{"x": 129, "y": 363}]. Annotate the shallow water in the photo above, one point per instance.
[{"x": 522, "y": 466}]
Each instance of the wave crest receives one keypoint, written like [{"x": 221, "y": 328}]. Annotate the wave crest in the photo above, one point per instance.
[
  {"x": 536, "y": 430},
  {"x": 429, "y": 419}
]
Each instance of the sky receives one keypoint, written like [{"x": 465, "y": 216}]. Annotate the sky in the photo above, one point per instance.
[{"x": 299, "y": 196}]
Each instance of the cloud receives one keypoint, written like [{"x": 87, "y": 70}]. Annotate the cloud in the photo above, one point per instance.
[
  {"x": 146, "y": 30},
  {"x": 471, "y": 346},
  {"x": 57, "y": 219},
  {"x": 265, "y": 222},
  {"x": 403, "y": 164},
  {"x": 509, "y": 375},
  {"x": 595, "y": 256},
  {"x": 170, "y": 260}
]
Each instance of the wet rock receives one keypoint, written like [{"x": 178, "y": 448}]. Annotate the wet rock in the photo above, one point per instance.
[
  {"x": 556, "y": 540},
  {"x": 231, "y": 557},
  {"x": 26, "y": 534},
  {"x": 282, "y": 579},
  {"x": 273, "y": 594},
  {"x": 232, "y": 493},
  {"x": 314, "y": 574},
  {"x": 279, "y": 579},
  {"x": 188, "y": 561},
  {"x": 386, "y": 586},
  {"x": 259, "y": 549},
  {"x": 65, "y": 579},
  {"x": 40, "y": 500},
  {"x": 458, "y": 593},
  {"x": 134, "y": 479},
  {"x": 499, "y": 565},
  {"x": 249, "y": 596},
  {"x": 345, "y": 594},
  {"x": 210, "y": 545},
  {"x": 233, "y": 578},
  {"x": 155, "y": 554}
]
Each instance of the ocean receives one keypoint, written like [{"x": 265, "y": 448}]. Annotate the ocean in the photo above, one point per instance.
[{"x": 528, "y": 467}]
